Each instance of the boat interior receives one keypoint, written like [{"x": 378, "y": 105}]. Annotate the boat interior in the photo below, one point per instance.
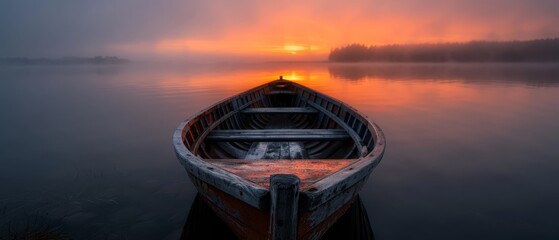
[{"x": 278, "y": 123}]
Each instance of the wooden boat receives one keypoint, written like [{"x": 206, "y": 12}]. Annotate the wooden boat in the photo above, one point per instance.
[{"x": 279, "y": 161}]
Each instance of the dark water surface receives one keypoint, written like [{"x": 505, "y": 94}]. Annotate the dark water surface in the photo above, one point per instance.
[{"x": 472, "y": 149}]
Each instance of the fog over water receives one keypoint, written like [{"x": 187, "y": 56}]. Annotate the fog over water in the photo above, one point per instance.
[{"x": 471, "y": 148}]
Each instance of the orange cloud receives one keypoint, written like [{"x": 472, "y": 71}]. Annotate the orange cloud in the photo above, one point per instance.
[{"x": 308, "y": 30}]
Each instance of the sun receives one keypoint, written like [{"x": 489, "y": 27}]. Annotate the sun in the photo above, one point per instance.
[{"x": 293, "y": 49}]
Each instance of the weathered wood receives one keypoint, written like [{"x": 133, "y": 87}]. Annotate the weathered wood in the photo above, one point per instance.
[
  {"x": 246, "y": 221},
  {"x": 251, "y": 223},
  {"x": 338, "y": 182},
  {"x": 284, "y": 196},
  {"x": 297, "y": 150},
  {"x": 314, "y": 217},
  {"x": 219, "y": 121},
  {"x": 288, "y": 150},
  {"x": 249, "y": 192},
  {"x": 327, "y": 186},
  {"x": 257, "y": 150},
  {"x": 354, "y": 136},
  {"x": 277, "y": 150},
  {"x": 235, "y": 152},
  {"x": 278, "y": 135},
  {"x": 280, "y": 110},
  {"x": 316, "y": 232},
  {"x": 283, "y": 150},
  {"x": 309, "y": 171}
]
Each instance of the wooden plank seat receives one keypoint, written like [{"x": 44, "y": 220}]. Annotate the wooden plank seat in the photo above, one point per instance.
[
  {"x": 278, "y": 135},
  {"x": 279, "y": 110}
]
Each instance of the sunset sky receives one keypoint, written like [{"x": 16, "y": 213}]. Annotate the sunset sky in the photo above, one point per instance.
[{"x": 270, "y": 30}]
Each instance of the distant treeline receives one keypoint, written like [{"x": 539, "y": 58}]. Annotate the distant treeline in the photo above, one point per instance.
[
  {"x": 99, "y": 60},
  {"x": 531, "y": 74},
  {"x": 541, "y": 50}
]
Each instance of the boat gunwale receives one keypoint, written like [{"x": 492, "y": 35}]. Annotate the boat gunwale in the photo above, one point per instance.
[
  {"x": 226, "y": 181},
  {"x": 257, "y": 196},
  {"x": 339, "y": 181}
]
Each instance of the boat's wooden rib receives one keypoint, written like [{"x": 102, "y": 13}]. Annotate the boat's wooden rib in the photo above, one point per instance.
[
  {"x": 348, "y": 129},
  {"x": 219, "y": 121},
  {"x": 279, "y": 110},
  {"x": 231, "y": 149},
  {"x": 235, "y": 152},
  {"x": 278, "y": 135},
  {"x": 329, "y": 150}
]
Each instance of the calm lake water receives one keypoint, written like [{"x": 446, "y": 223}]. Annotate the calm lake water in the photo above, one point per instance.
[{"x": 472, "y": 149}]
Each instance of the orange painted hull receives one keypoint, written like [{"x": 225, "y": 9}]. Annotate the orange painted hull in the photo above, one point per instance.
[{"x": 248, "y": 222}]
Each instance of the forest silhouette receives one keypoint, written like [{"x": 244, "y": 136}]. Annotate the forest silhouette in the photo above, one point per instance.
[{"x": 540, "y": 50}]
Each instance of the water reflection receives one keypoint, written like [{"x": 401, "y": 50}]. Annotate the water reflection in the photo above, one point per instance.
[
  {"x": 539, "y": 75},
  {"x": 203, "y": 223},
  {"x": 472, "y": 148}
]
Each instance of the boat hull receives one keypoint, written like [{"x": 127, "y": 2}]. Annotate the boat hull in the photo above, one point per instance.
[
  {"x": 279, "y": 148},
  {"x": 248, "y": 222}
]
